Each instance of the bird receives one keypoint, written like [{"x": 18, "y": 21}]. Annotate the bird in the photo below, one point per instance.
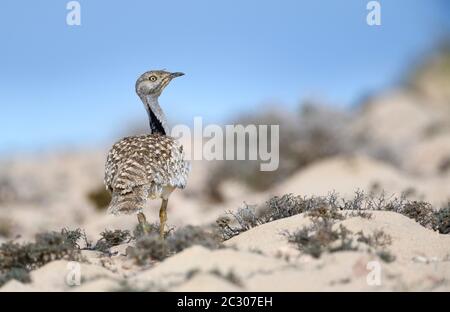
[{"x": 149, "y": 166}]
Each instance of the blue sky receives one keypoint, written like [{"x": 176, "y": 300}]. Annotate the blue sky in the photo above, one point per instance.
[{"x": 70, "y": 85}]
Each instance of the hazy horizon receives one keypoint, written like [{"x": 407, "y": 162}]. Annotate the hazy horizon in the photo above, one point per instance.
[{"x": 65, "y": 86}]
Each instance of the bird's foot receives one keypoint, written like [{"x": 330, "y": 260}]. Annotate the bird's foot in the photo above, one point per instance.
[
  {"x": 162, "y": 234},
  {"x": 162, "y": 218}
]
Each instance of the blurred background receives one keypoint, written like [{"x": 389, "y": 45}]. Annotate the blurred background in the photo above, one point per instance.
[{"x": 359, "y": 106}]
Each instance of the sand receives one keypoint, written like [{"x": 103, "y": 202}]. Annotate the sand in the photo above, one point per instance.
[{"x": 262, "y": 259}]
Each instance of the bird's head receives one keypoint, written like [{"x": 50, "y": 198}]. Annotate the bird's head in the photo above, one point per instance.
[{"x": 153, "y": 82}]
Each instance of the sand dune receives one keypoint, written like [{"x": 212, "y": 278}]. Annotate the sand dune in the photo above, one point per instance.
[{"x": 261, "y": 259}]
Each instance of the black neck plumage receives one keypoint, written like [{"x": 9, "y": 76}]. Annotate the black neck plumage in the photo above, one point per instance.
[
  {"x": 156, "y": 116},
  {"x": 155, "y": 125}
]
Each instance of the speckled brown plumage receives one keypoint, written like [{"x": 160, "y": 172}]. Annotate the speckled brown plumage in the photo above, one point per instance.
[{"x": 141, "y": 167}]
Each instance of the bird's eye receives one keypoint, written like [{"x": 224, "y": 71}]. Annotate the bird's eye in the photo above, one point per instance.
[{"x": 152, "y": 78}]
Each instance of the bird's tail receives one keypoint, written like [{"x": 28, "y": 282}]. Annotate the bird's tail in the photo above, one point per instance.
[{"x": 128, "y": 203}]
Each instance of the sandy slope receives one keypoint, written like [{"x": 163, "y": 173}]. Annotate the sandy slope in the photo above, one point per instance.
[
  {"x": 261, "y": 259},
  {"x": 347, "y": 174},
  {"x": 256, "y": 260}
]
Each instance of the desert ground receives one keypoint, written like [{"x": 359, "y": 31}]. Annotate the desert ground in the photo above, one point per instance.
[{"x": 361, "y": 202}]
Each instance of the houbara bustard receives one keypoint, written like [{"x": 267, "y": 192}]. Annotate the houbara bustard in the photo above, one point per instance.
[{"x": 146, "y": 166}]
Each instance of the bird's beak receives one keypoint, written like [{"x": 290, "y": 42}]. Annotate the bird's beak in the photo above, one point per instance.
[{"x": 175, "y": 75}]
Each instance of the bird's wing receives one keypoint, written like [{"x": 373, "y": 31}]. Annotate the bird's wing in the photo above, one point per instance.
[{"x": 144, "y": 160}]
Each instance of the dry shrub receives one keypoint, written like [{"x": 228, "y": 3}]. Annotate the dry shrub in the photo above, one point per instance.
[
  {"x": 330, "y": 207},
  {"x": 16, "y": 260},
  {"x": 442, "y": 220},
  {"x": 320, "y": 237},
  {"x": 421, "y": 212},
  {"x": 112, "y": 238},
  {"x": 151, "y": 247},
  {"x": 377, "y": 239}
]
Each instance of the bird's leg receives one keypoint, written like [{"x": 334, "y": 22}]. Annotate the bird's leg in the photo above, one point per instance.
[
  {"x": 143, "y": 223},
  {"x": 162, "y": 217}
]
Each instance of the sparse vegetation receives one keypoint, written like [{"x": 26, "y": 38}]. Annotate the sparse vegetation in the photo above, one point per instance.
[
  {"x": 331, "y": 207},
  {"x": 230, "y": 277},
  {"x": 442, "y": 220},
  {"x": 152, "y": 228},
  {"x": 18, "y": 259},
  {"x": 245, "y": 218},
  {"x": 321, "y": 237},
  {"x": 112, "y": 238},
  {"x": 151, "y": 247},
  {"x": 282, "y": 207},
  {"x": 276, "y": 208},
  {"x": 189, "y": 236},
  {"x": 376, "y": 239},
  {"x": 19, "y": 274},
  {"x": 325, "y": 213},
  {"x": 358, "y": 213},
  {"x": 421, "y": 212}
]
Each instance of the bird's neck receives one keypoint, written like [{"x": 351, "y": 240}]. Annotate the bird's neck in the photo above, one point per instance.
[{"x": 156, "y": 117}]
